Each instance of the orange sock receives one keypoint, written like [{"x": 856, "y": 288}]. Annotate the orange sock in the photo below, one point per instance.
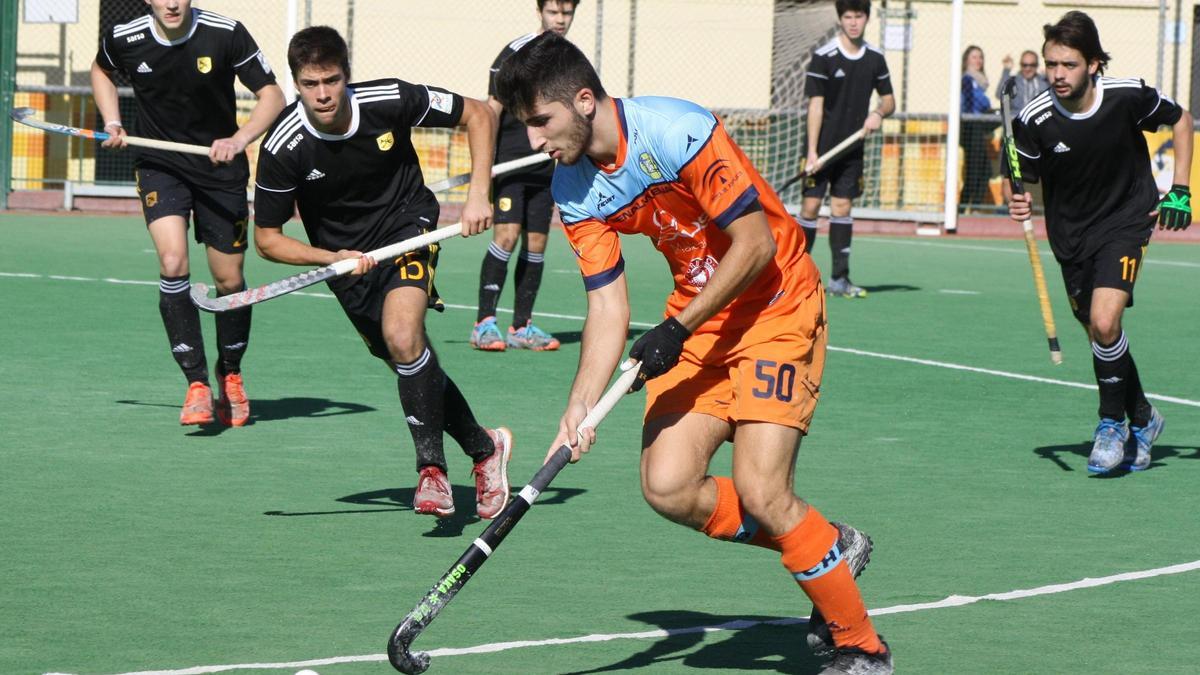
[
  {"x": 810, "y": 553},
  {"x": 729, "y": 522}
]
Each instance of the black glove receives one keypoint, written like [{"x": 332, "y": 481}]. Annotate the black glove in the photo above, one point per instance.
[
  {"x": 1175, "y": 209},
  {"x": 658, "y": 350}
]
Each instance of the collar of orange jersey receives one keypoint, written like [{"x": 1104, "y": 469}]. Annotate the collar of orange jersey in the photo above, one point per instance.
[{"x": 622, "y": 142}]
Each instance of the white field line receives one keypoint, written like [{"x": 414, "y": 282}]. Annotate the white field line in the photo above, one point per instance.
[
  {"x": 1150, "y": 259},
  {"x": 639, "y": 324},
  {"x": 950, "y": 601}
]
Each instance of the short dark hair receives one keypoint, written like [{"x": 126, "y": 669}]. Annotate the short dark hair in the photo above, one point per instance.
[
  {"x": 573, "y": 3},
  {"x": 1077, "y": 31},
  {"x": 317, "y": 46},
  {"x": 549, "y": 67},
  {"x": 844, "y": 6}
]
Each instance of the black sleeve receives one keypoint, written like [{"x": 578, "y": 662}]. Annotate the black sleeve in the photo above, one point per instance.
[
  {"x": 495, "y": 69},
  {"x": 426, "y": 106},
  {"x": 107, "y": 56},
  {"x": 1153, "y": 110},
  {"x": 883, "y": 79},
  {"x": 1027, "y": 152},
  {"x": 248, "y": 60},
  {"x": 818, "y": 76},
  {"x": 274, "y": 191}
]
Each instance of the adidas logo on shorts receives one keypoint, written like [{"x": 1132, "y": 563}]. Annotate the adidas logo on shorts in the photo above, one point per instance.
[
  {"x": 314, "y": 175},
  {"x": 1061, "y": 147},
  {"x": 143, "y": 68}
]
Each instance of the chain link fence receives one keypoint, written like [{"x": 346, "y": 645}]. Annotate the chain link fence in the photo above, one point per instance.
[{"x": 744, "y": 59}]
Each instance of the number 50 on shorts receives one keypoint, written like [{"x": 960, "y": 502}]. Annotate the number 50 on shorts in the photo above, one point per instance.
[{"x": 775, "y": 380}]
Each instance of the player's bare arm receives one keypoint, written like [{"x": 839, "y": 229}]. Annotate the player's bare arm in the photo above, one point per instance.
[
  {"x": 604, "y": 333},
  {"x": 480, "y": 122},
  {"x": 751, "y": 249},
  {"x": 272, "y": 244},
  {"x": 816, "y": 115},
  {"x": 268, "y": 106},
  {"x": 104, "y": 90},
  {"x": 887, "y": 105}
]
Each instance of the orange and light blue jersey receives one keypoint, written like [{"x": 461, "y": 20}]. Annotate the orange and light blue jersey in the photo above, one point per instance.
[{"x": 680, "y": 180}]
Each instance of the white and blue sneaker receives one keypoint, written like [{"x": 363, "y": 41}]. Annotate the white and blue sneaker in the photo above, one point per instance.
[
  {"x": 1108, "y": 448},
  {"x": 1145, "y": 437}
]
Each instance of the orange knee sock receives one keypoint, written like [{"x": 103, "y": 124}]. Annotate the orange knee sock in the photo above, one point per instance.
[
  {"x": 730, "y": 522},
  {"x": 810, "y": 553}
]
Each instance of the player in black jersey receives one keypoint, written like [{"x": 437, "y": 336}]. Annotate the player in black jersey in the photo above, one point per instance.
[
  {"x": 1083, "y": 139},
  {"x": 182, "y": 63},
  {"x": 841, "y": 77},
  {"x": 344, "y": 156},
  {"x": 523, "y": 202}
]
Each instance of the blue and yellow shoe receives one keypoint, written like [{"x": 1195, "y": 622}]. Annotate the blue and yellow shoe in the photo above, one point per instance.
[
  {"x": 532, "y": 338},
  {"x": 486, "y": 336}
]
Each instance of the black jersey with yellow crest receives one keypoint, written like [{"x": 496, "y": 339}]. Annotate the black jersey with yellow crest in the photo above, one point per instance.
[
  {"x": 357, "y": 190},
  {"x": 184, "y": 88},
  {"x": 1094, "y": 165}
]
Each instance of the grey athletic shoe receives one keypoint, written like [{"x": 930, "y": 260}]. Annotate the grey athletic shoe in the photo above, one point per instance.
[
  {"x": 1145, "y": 437},
  {"x": 1108, "y": 448},
  {"x": 857, "y": 662},
  {"x": 845, "y": 289},
  {"x": 856, "y": 548}
]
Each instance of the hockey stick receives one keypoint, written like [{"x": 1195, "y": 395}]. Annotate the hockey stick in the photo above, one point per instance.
[
  {"x": 1035, "y": 259},
  {"x": 461, "y": 571},
  {"x": 26, "y": 116},
  {"x": 823, "y": 159},
  {"x": 253, "y": 296}
]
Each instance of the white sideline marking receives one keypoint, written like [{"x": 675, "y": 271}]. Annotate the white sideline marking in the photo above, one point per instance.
[
  {"x": 996, "y": 249},
  {"x": 956, "y": 291},
  {"x": 1000, "y": 373},
  {"x": 639, "y": 324},
  {"x": 950, "y": 601}
]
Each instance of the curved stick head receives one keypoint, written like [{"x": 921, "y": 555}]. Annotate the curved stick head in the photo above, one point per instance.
[
  {"x": 399, "y": 655},
  {"x": 200, "y": 297},
  {"x": 21, "y": 114}
]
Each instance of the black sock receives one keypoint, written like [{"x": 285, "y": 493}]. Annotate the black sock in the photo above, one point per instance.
[
  {"x": 841, "y": 229},
  {"x": 1136, "y": 405},
  {"x": 529, "y": 280},
  {"x": 491, "y": 280},
  {"x": 1112, "y": 364},
  {"x": 233, "y": 336},
  {"x": 422, "y": 385},
  {"x": 182, "y": 321},
  {"x": 810, "y": 233},
  {"x": 462, "y": 427}
]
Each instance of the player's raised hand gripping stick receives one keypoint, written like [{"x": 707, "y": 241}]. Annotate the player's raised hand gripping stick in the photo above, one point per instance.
[
  {"x": 823, "y": 159},
  {"x": 460, "y": 572},
  {"x": 1035, "y": 259},
  {"x": 26, "y": 116},
  {"x": 253, "y": 296}
]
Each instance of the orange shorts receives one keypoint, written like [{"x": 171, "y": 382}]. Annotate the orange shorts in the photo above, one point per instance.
[{"x": 769, "y": 373}]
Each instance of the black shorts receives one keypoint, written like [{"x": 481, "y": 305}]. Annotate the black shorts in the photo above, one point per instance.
[
  {"x": 844, "y": 175},
  {"x": 362, "y": 297},
  {"x": 1116, "y": 264},
  {"x": 519, "y": 201},
  {"x": 219, "y": 214}
]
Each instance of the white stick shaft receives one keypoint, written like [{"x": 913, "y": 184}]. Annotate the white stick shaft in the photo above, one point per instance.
[
  {"x": 837, "y": 149},
  {"x": 392, "y": 250},
  {"x": 167, "y": 145},
  {"x": 501, "y": 168},
  {"x": 610, "y": 397}
]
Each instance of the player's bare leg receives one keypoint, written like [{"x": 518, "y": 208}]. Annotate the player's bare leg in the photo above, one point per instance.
[
  {"x": 180, "y": 317},
  {"x": 233, "y": 337},
  {"x": 1120, "y": 387},
  {"x": 432, "y": 405}
]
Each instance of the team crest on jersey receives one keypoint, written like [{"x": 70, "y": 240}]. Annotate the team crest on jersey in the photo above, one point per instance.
[
  {"x": 385, "y": 141},
  {"x": 151, "y": 199},
  {"x": 204, "y": 64},
  {"x": 674, "y": 235},
  {"x": 505, "y": 203},
  {"x": 700, "y": 270},
  {"x": 649, "y": 166}
]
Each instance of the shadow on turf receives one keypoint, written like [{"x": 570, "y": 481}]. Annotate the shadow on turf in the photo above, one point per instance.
[
  {"x": 887, "y": 288},
  {"x": 752, "y": 644},
  {"x": 273, "y": 410},
  {"x": 401, "y": 499},
  {"x": 1054, "y": 454}
]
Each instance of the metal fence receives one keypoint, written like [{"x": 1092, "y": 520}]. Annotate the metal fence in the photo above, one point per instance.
[{"x": 745, "y": 59}]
